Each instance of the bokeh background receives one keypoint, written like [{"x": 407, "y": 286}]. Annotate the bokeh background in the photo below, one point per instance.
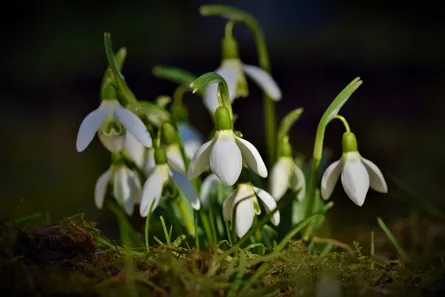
[{"x": 53, "y": 61}]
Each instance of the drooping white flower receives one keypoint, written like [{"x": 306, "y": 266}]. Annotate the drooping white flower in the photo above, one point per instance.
[
  {"x": 191, "y": 138},
  {"x": 135, "y": 150},
  {"x": 357, "y": 174},
  {"x": 233, "y": 70},
  {"x": 159, "y": 176},
  {"x": 111, "y": 121},
  {"x": 243, "y": 204},
  {"x": 285, "y": 175},
  {"x": 174, "y": 158},
  {"x": 126, "y": 187},
  {"x": 225, "y": 153}
]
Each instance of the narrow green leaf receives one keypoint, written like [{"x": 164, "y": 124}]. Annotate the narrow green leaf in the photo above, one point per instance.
[
  {"x": 288, "y": 121},
  {"x": 392, "y": 238}
]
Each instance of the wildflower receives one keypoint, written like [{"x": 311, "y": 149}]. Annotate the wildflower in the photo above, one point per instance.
[
  {"x": 159, "y": 177},
  {"x": 233, "y": 70},
  {"x": 243, "y": 203},
  {"x": 209, "y": 186},
  {"x": 357, "y": 173},
  {"x": 285, "y": 175},
  {"x": 225, "y": 153},
  {"x": 111, "y": 121},
  {"x": 126, "y": 187}
]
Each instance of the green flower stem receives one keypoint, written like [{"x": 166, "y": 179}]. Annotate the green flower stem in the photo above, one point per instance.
[
  {"x": 229, "y": 28},
  {"x": 206, "y": 226},
  {"x": 123, "y": 90},
  {"x": 343, "y": 120},
  {"x": 329, "y": 114},
  {"x": 188, "y": 221},
  {"x": 213, "y": 224},
  {"x": 263, "y": 61}
]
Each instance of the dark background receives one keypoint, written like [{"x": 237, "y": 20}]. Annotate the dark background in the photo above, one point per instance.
[{"x": 53, "y": 61}]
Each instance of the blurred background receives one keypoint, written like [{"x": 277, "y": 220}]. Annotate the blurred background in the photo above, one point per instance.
[{"x": 53, "y": 62}]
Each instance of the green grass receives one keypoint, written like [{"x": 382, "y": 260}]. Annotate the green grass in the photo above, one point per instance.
[{"x": 72, "y": 258}]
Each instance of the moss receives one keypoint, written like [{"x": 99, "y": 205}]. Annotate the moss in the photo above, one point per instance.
[{"x": 72, "y": 259}]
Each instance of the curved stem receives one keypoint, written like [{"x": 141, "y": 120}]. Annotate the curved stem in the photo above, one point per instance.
[
  {"x": 343, "y": 120},
  {"x": 179, "y": 94},
  {"x": 229, "y": 28}
]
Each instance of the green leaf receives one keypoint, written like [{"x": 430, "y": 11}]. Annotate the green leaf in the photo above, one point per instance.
[
  {"x": 392, "y": 238},
  {"x": 176, "y": 75},
  {"x": 154, "y": 113},
  {"x": 288, "y": 121},
  {"x": 120, "y": 56}
]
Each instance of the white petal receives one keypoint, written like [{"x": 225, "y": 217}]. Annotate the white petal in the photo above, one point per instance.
[
  {"x": 252, "y": 156},
  {"x": 330, "y": 178},
  {"x": 126, "y": 187},
  {"x": 269, "y": 203},
  {"x": 135, "y": 150},
  {"x": 89, "y": 127},
  {"x": 264, "y": 81},
  {"x": 113, "y": 143},
  {"x": 101, "y": 188},
  {"x": 150, "y": 164},
  {"x": 355, "y": 180},
  {"x": 191, "y": 147},
  {"x": 279, "y": 178},
  {"x": 133, "y": 125},
  {"x": 208, "y": 187},
  {"x": 151, "y": 192},
  {"x": 210, "y": 93},
  {"x": 244, "y": 217},
  {"x": 225, "y": 158},
  {"x": 200, "y": 160},
  {"x": 376, "y": 179},
  {"x": 298, "y": 181},
  {"x": 174, "y": 158},
  {"x": 187, "y": 188},
  {"x": 228, "y": 206}
]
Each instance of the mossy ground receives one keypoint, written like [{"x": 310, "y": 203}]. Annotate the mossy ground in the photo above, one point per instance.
[{"x": 71, "y": 258}]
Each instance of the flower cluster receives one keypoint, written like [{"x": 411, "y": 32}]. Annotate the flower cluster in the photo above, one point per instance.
[{"x": 156, "y": 154}]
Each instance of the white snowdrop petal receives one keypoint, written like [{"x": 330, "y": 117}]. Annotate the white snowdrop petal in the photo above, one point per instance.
[
  {"x": 135, "y": 150},
  {"x": 244, "y": 213},
  {"x": 211, "y": 91},
  {"x": 101, "y": 188},
  {"x": 355, "y": 180},
  {"x": 89, "y": 127},
  {"x": 150, "y": 164},
  {"x": 269, "y": 203},
  {"x": 264, "y": 81},
  {"x": 225, "y": 158},
  {"x": 228, "y": 206},
  {"x": 187, "y": 188},
  {"x": 279, "y": 179},
  {"x": 134, "y": 125},
  {"x": 121, "y": 187},
  {"x": 113, "y": 143},
  {"x": 298, "y": 181},
  {"x": 200, "y": 160},
  {"x": 376, "y": 180},
  {"x": 151, "y": 192},
  {"x": 252, "y": 156},
  {"x": 209, "y": 186},
  {"x": 174, "y": 158},
  {"x": 330, "y": 178}
]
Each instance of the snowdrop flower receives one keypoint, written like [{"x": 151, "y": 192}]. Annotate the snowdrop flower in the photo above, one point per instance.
[
  {"x": 135, "y": 150},
  {"x": 126, "y": 187},
  {"x": 190, "y": 137},
  {"x": 160, "y": 176},
  {"x": 243, "y": 203},
  {"x": 209, "y": 187},
  {"x": 225, "y": 153},
  {"x": 357, "y": 173},
  {"x": 233, "y": 70},
  {"x": 111, "y": 121},
  {"x": 285, "y": 175}
]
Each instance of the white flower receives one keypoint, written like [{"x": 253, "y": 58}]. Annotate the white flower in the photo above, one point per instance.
[
  {"x": 225, "y": 154},
  {"x": 135, "y": 150},
  {"x": 126, "y": 187},
  {"x": 286, "y": 174},
  {"x": 191, "y": 138},
  {"x": 152, "y": 190},
  {"x": 232, "y": 70},
  {"x": 174, "y": 158},
  {"x": 154, "y": 185},
  {"x": 357, "y": 175},
  {"x": 244, "y": 204},
  {"x": 111, "y": 120}
]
